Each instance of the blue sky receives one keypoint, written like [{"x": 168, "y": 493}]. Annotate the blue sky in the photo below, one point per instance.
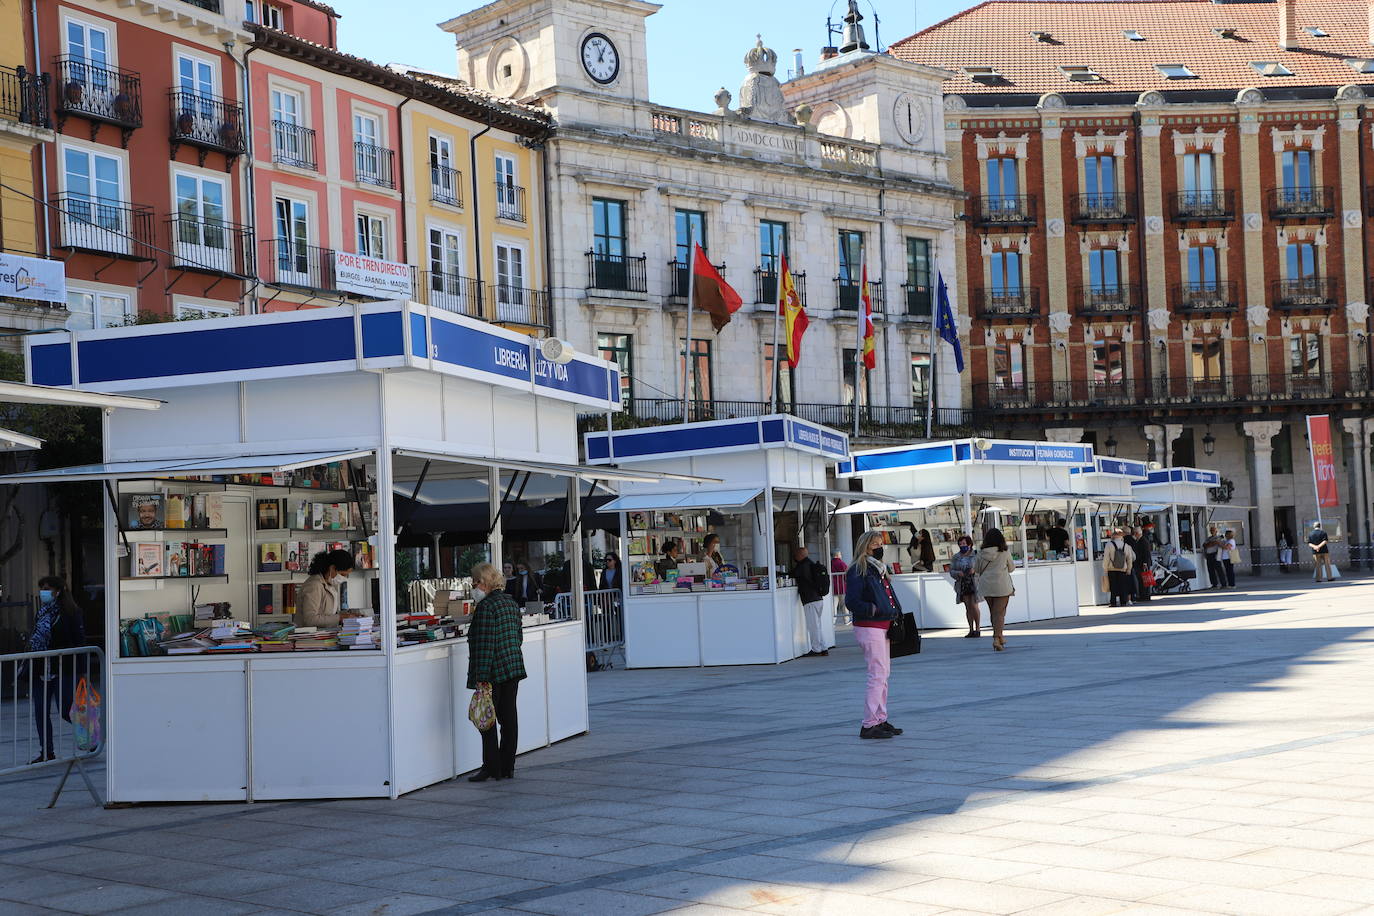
[{"x": 695, "y": 46}]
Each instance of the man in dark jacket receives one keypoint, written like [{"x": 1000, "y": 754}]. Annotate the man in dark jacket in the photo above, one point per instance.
[
  {"x": 525, "y": 586},
  {"x": 813, "y": 584},
  {"x": 1144, "y": 558}
]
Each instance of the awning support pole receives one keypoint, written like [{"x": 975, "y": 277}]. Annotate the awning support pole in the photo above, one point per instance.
[
  {"x": 414, "y": 500},
  {"x": 119, "y": 521},
  {"x": 506, "y": 499},
  {"x": 582, "y": 506}
]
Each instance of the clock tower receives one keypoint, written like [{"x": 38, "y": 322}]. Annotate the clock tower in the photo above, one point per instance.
[{"x": 570, "y": 56}]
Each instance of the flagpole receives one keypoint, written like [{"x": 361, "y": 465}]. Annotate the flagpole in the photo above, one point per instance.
[
  {"x": 859, "y": 349},
  {"x": 688, "y": 356},
  {"x": 777, "y": 322},
  {"x": 930, "y": 383}
]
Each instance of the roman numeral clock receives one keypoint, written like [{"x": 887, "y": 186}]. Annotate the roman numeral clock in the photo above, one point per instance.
[{"x": 600, "y": 58}]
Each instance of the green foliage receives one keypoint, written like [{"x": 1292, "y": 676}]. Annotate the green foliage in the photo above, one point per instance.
[{"x": 470, "y": 558}]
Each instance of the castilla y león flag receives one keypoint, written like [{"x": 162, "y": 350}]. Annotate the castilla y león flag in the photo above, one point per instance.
[
  {"x": 794, "y": 314},
  {"x": 1323, "y": 460},
  {"x": 711, "y": 293}
]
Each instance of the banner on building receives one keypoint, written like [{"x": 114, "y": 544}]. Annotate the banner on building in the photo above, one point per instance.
[
  {"x": 357, "y": 273},
  {"x": 38, "y": 279},
  {"x": 1323, "y": 460}
]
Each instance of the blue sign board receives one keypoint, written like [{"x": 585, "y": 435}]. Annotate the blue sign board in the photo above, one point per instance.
[
  {"x": 1035, "y": 453},
  {"x": 1121, "y": 467},
  {"x": 714, "y": 436}
]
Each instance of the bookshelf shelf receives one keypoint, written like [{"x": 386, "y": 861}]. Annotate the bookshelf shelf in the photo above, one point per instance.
[
  {"x": 269, "y": 533},
  {"x": 173, "y": 578},
  {"x": 134, "y": 533}
]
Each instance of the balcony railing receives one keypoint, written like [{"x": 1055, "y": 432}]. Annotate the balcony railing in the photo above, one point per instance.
[
  {"x": 283, "y": 262},
  {"x": 876, "y": 421},
  {"x": 24, "y": 96},
  {"x": 207, "y": 121},
  {"x": 107, "y": 226},
  {"x": 847, "y": 295},
  {"x": 372, "y": 164},
  {"x": 211, "y": 5},
  {"x": 451, "y": 292},
  {"x": 1305, "y": 293},
  {"x": 1203, "y": 206},
  {"x": 1010, "y": 303},
  {"x": 766, "y": 286},
  {"x": 919, "y": 300},
  {"x": 445, "y": 185},
  {"x": 99, "y": 93},
  {"x": 618, "y": 273},
  {"x": 510, "y": 202},
  {"x": 1302, "y": 202},
  {"x": 679, "y": 279},
  {"x": 1004, "y": 210},
  {"x": 1102, "y": 208},
  {"x": 517, "y": 305},
  {"x": 1118, "y": 299},
  {"x": 1216, "y": 296},
  {"x": 293, "y": 145},
  {"x": 212, "y": 246}
]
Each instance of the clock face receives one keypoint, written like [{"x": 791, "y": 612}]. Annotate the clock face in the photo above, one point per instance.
[
  {"x": 909, "y": 117},
  {"x": 600, "y": 58}
]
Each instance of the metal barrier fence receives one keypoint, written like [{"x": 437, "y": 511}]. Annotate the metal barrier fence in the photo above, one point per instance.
[
  {"x": 34, "y": 686},
  {"x": 1346, "y": 557},
  {"x": 604, "y": 618},
  {"x": 422, "y": 592}
]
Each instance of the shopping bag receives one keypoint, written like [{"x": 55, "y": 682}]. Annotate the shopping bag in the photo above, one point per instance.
[
  {"x": 85, "y": 716},
  {"x": 481, "y": 710},
  {"x": 1147, "y": 578},
  {"x": 910, "y": 641},
  {"x": 1335, "y": 573}
]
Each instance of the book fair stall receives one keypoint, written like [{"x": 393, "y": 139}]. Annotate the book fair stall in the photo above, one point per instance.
[
  {"x": 966, "y": 487},
  {"x": 282, "y": 437},
  {"x": 1108, "y": 501},
  {"x": 1179, "y": 499},
  {"x": 735, "y": 604}
]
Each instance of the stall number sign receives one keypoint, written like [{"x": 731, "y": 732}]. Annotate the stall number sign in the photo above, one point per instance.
[
  {"x": 36, "y": 279},
  {"x": 356, "y": 273}
]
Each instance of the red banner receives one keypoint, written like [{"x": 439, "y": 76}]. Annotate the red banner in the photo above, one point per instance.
[{"x": 1323, "y": 460}]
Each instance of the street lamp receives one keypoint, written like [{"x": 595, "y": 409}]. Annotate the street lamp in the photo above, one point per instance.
[
  {"x": 1110, "y": 445},
  {"x": 1209, "y": 443}
]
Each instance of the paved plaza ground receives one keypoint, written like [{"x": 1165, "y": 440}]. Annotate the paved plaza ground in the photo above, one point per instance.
[{"x": 1212, "y": 753}]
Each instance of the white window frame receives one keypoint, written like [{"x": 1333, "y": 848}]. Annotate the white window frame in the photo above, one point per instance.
[
  {"x": 375, "y": 219},
  {"x": 367, "y": 167},
  {"x": 449, "y": 290},
  {"x": 285, "y": 141},
  {"x": 440, "y": 143},
  {"x": 510, "y": 299},
  {"x": 190, "y": 309},
  {"x": 507, "y": 202},
  {"x": 198, "y": 248},
  {"x": 109, "y": 231},
  {"x": 110, "y": 30},
  {"x": 204, "y": 112},
  {"x": 291, "y": 274},
  {"x": 100, "y": 316}
]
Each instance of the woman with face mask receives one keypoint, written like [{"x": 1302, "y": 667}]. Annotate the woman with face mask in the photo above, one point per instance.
[
  {"x": 318, "y": 601},
  {"x": 1117, "y": 560},
  {"x": 966, "y": 584},
  {"x": 59, "y": 625},
  {"x": 495, "y": 657}
]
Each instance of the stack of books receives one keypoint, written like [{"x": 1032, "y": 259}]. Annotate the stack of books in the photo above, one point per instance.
[
  {"x": 314, "y": 639},
  {"x": 357, "y": 633}
]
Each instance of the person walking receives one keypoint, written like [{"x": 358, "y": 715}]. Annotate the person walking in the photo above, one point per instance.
[
  {"x": 1229, "y": 556},
  {"x": 495, "y": 657},
  {"x": 1211, "y": 549},
  {"x": 1117, "y": 562},
  {"x": 1144, "y": 556},
  {"x": 59, "y": 625},
  {"x": 1321, "y": 552},
  {"x": 873, "y": 605},
  {"x": 966, "y": 584},
  {"x": 992, "y": 577},
  {"x": 813, "y": 584},
  {"x": 838, "y": 568}
]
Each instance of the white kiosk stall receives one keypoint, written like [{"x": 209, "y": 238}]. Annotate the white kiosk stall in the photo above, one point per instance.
[
  {"x": 773, "y": 494},
  {"x": 1179, "y": 497},
  {"x": 967, "y": 486},
  {"x": 277, "y": 434},
  {"x": 1108, "y": 499}
]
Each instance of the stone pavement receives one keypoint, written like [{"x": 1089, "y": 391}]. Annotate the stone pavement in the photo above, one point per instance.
[{"x": 1209, "y": 754}]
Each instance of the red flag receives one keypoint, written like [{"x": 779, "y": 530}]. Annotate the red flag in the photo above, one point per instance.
[
  {"x": 866, "y": 303},
  {"x": 712, "y": 294},
  {"x": 1323, "y": 461}
]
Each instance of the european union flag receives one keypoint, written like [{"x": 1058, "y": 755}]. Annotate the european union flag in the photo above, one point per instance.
[{"x": 944, "y": 325}]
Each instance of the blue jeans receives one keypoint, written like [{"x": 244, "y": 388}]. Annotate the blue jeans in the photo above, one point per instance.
[{"x": 60, "y": 689}]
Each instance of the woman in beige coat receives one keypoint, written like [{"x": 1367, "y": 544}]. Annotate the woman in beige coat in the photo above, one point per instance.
[
  {"x": 993, "y": 570},
  {"x": 318, "y": 601},
  {"x": 1118, "y": 559}
]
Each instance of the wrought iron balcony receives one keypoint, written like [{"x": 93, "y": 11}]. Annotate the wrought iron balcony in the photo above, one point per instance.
[
  {"x": 1214, "y": 296},
  {"x": 293, "y": 145},
  {"x": 919, "y": 300},
  {"x": 102, "y": 94},
  {"x": 1203, "y": 206},
  {"x": 373, "y": 164},
  {"x": 847, "y": 295},
  {"x": 517, "y": 305},
  {"x": 1117, "y": 299},
  {"x": 24, "y": 97},
  {"x": 766, "y": 290},
  {"x": 1102, "y": 208},
  {"x": 617, "y": 272},
  {"x": 212, "y": 246},
  {"x": 207, "y": 121},
  {"x": 445, "y": 185},
  {"x": 510, "y": 202},
  {"x": 1301, "y": 203},
  {"x": 1010, "y": 303},
  {"x": 1305, "y": 293},
  {"x": 1004, "y": 210},
  {"x": 111, "y": 227},
  {"x": 284, "y": 262},
  {"x": 451, "y": 292},
  {"x": 679, "y": 279}
]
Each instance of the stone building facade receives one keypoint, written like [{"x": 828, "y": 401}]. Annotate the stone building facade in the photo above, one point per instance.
[
  {"x": 631, "y": 182},
  {"x": 1164, "y": 244}
]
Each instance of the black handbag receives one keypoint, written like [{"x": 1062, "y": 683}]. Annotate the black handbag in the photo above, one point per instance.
[{"x": 904, "y": 639}]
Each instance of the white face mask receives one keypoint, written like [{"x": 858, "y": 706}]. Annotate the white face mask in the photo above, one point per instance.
[{"x": 478, "y": 594}]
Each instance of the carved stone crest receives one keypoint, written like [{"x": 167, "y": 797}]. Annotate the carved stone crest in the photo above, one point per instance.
[
  {"x": 1159, "y": 319},
  {"x": 1257, "y": 315},
  {"x": 1060, "y": 322},
  {"x": 1357, "y": 312},
  {"x": 760, "y": 96}
]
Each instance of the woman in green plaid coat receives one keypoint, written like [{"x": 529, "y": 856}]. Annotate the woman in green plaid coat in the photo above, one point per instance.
[{"x": 495, "y": 658}]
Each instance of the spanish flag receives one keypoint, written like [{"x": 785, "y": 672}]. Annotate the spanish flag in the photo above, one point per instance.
[
  {"x": 870, "y": 351},
  {"x": 794, "y": 314}
]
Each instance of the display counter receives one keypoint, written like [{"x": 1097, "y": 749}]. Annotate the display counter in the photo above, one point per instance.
[{"x": 1043, "y": 591}]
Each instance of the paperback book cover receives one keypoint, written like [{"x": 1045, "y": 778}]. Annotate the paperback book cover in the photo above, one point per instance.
[
  {"x": 175, "y": 564},
  {"x": 147, "y": 560},
  {"x": 270, "y": 557},
  {"x": 270, "y": 513},
  {"x": 145, "y": 512},
  {"x": 288, "y": 598},
  {"x": 301, "y": 517},
  {"x": 176, "y": 511},
  {"x": 265, "y": 603}
]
